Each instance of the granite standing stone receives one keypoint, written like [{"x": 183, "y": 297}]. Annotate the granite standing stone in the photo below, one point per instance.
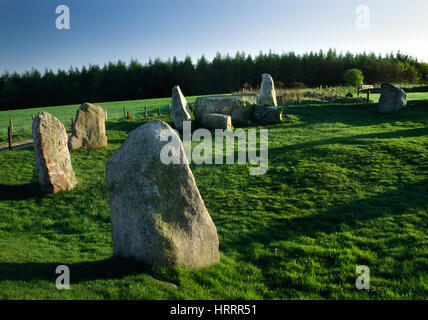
[
  {"x": 53, "y": 164},
  {"x": 267, "y": 95},
  {"x": 392, "y": 98},
  {"x": 157, "y": 213},
  {"x": 89, "y": 130},
  {"x": 180, "y": 109}
]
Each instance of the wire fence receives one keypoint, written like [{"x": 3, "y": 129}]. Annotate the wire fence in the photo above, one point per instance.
[{"x": 21, "y": 124}]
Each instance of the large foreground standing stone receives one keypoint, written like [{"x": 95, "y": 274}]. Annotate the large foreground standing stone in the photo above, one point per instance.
[
  {"x": 391, "y": 98},
  {"x": 239, "y": 107},
  {"x": 157, "y": 213},
  {"x": 89, "y": 130},
  {"x": 53, "y": 163},
  {"x": 267, "y": 95},
  {"x": 180, "y": 109}
]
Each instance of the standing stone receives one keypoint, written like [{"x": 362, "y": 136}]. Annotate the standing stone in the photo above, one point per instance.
[
  {"x": 53, "y": 163},
  {"x": 180, "y": 109},
  {"x": 267, "y": 95},
  {"x": 89, "y": 130},
  {"x": 216, "y": 121},
  {"x": 157, "y": 213},
  {"x": 391, "y": 98}
]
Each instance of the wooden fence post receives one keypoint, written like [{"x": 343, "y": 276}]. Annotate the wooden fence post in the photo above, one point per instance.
[
  {"x": 9, "y": 131},
  {"x": 128, "y": 115},
  {"x": 158, "y": 112},
  {"x": 11, "y": 123},
  {"x": 145, "y": 112},
  {"x": 368, "y": 96},
  {"x": 72, "y": 123}
]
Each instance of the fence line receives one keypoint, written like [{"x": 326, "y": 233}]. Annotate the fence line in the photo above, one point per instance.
[{"x": 136, "y": 112}]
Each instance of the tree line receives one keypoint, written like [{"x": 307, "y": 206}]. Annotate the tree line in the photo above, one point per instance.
[{"x": 223, "y": 74}]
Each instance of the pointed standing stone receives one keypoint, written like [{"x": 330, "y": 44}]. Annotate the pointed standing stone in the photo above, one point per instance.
[
  {"x": 267, "y": 95},
  {"x": 89, "y": 130},
  {"x": 180, "y": 109},
  {"x": 53, "y": 163},
  {"x": 157, "y": 213}
]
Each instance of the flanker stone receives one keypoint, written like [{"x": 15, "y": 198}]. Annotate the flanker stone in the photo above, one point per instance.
[
  {"x": 267, "y": 96},
  {"x": 180, "y": 109}
]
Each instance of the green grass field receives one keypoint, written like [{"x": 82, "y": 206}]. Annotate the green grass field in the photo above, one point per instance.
[
  {"x": 22, "y": 120},
  {"x": 346, "y": 186}
]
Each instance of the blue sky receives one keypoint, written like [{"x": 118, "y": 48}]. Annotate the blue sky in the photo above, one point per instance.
[{"x": 104, "y": 30}]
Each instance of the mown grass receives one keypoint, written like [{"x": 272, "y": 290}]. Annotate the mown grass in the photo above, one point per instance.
[
  {"x": 22, "y": 120},
  {"x": 346, "y": 186}
]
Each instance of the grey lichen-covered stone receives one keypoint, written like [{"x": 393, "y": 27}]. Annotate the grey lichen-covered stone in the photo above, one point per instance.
[
  {"x": 239, "y": 107},
  {"x": 216, "y": 121},
  {"x": 89, "y": 129},
  {"x": 267, "y": 96},
  {"x": 391, "y": 98},
  {"x": 267, "y": 114},
  {"x": 157, "y": 213},
  {"x": 53, "y": 164},
  {"x": 241, "y": 116},
  {"x": 180, "y": 108}
]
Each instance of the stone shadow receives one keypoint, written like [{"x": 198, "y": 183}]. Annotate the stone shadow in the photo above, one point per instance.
[
  {"x": 107, "y": 269},
  {"x": 20, "y": 192},
  {"x": 355, "y": 114},
  {"x": 412, "y": 196}
]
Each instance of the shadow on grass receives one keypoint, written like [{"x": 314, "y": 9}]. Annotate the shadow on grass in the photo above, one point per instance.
[
  {"x": 20, "y": 192},
  {"x": 107, "y": 269},
  {"x": 336, "y": 219},
  {"x": 356, "y": 139},
  {"x": 407, "y": 196},
  {"x": 356, "y": 114}
]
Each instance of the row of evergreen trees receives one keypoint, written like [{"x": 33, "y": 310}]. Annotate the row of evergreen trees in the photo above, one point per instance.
[{"x": 224, "y": 74}]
